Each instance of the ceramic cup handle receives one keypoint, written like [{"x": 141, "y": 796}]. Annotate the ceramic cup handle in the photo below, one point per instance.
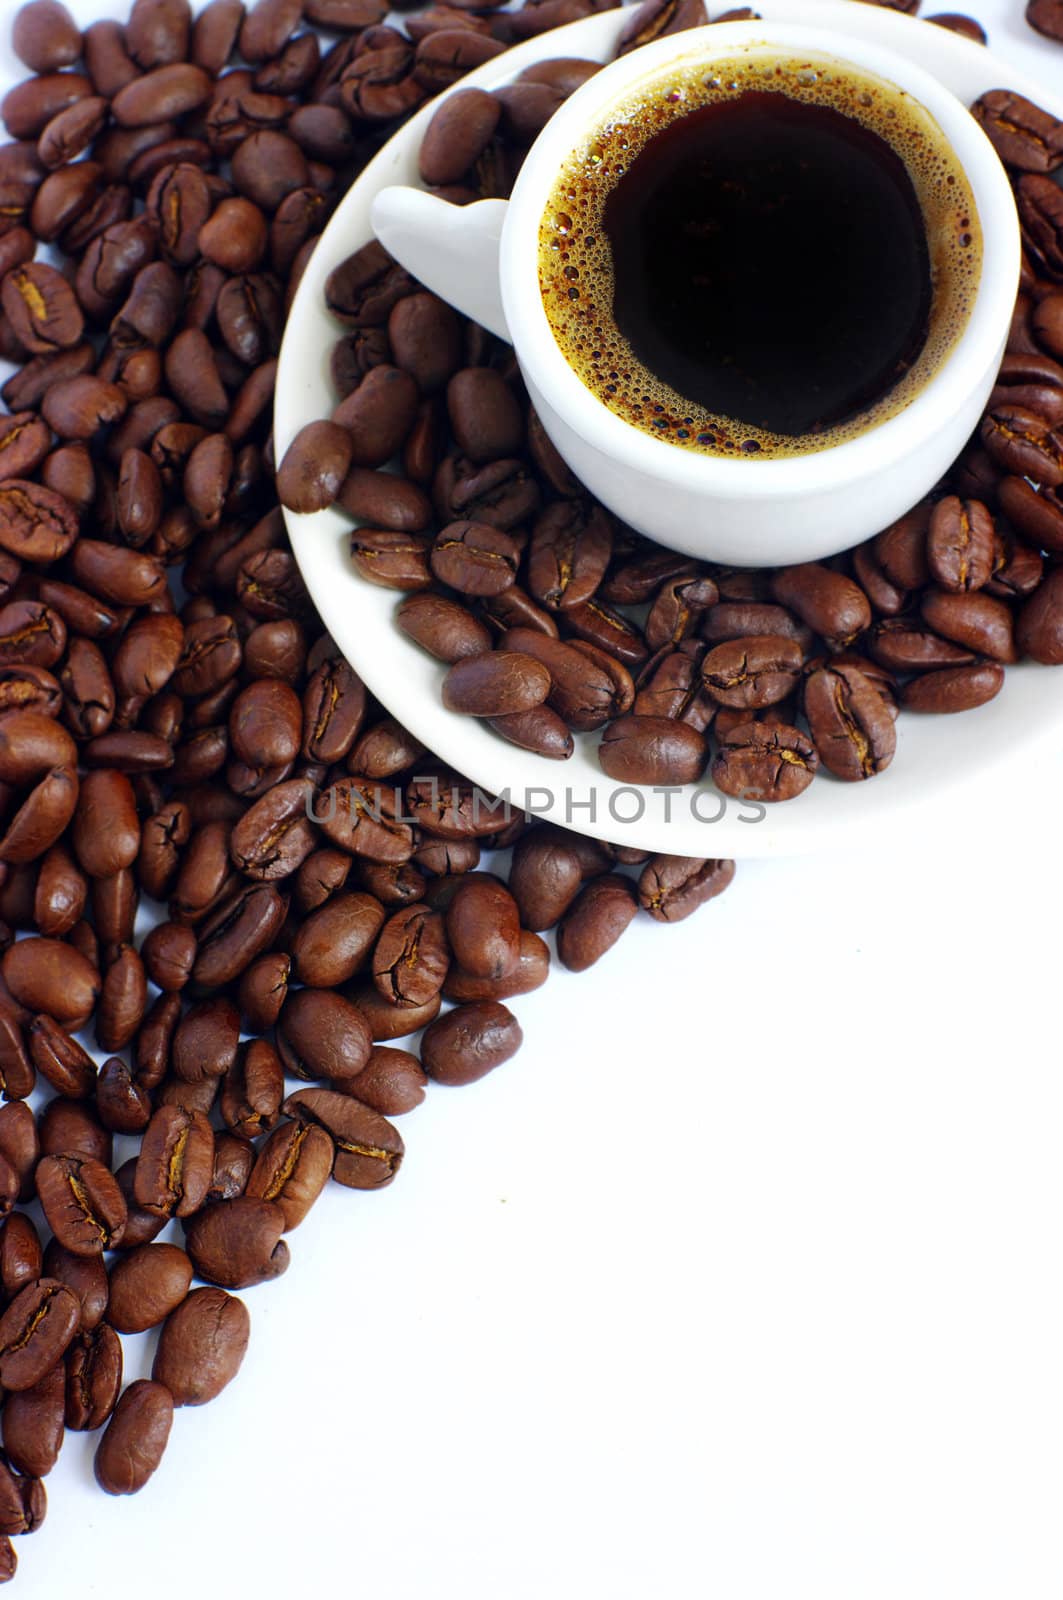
[{"x": 452, "y": 250}]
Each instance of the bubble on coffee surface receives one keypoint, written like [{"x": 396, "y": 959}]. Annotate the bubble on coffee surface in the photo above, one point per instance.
[{"x": 576, "y": 264}]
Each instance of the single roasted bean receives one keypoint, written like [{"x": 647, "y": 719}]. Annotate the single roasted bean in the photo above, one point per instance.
[
  {"x": 276, "y": 835},
  {"x": 253, "y": 1089},
  {"x": 135, "y": 1438},
  {"x": 903, "y": 644},
  {"x": 962, "y": 544},
  {"x": 322, "y": 1035},
  {"x": 545, "y": 877},
  {"x": 391, "y": 560},
  {"x": 31, "y": 634},
  {"x": 205, "y": 1040},
  {"x": 411, "y": 956},
  {"x": 458, "y": 133},
  {"x": 831, "y": 604},
  {"x": 146, "y": 1285},
  {"x": 369, "y": 1150},
  {"x": 748, "y": 674},
  {"x": 540, "y": 730},
  {"x": 72, "y": 1127},
  {"x": 237, "y": 1243},
  {"x": 292, "y": 1168},
  {"x": 42, "y": 309},
  {"x": 24, "y": 444},
  {"x": 314, "y": 467},
  {"x": 241, "y": 927},
  {"x": 570, "y": 548},
  {"x": 19, "y": 1144},
  {"x": 358, "y": 816},
  {"x": 233, "y": 1160},
  {"x": 20, "y": 1248},
  {"x": 262, "y": 990},
  {"x": 443, "y": 627},
  {"x": 266, "y": 723},
  {"x": 475, "y": 558},
  {"x": 46, "y": 975},
  {"x": 495, "y": 683},
  {"x": 33, "y": 1424},
  {"x": 672, "y": 887},
  {"x": 335, "y": 940},
  {"x": 469, "y": 1041},
  {"x": 1025, "y": 137},
  {"x": 59, "y": 1058},
  {"x": 45, "y": 36},
  {"x": 23, "y": 1502},
  {"x": 123, "y": 1000},
  {"x": 975, "y": 621},
  {"x": 595, "y": 920},
  {"x": 483, "y": 928},
  {"x": 122, "y": 1105},
  {"x": 92, "y": 1378},
  {"x": 82, "y": 1202},
  {"x": 175, "y": 1163},
  {"x": 850, "y": 724},
  {"x": 953, "y": 688},
  {"x": 36, "y": 524},
  {"x": 106, "y": 831},
  {"x": 205, "y": 874},
  {"x": 202, "y": 1346},
  {"x": 35, "y": 1331},
  {"x": 393, "y": 1082},
  {"x": 1039, "y": 632},
  {"x": 652, "y": 750},
  {"x": 761, "y": 762},
  {"x": 1021, "y": 441},
  {"x": 123, "y": 577}
]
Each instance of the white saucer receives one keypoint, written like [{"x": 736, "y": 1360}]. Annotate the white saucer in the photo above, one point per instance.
[{"x": 944, "y": 766}]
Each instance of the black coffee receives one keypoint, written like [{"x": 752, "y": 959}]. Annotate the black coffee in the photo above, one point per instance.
[{"x": 764, "y": 271}]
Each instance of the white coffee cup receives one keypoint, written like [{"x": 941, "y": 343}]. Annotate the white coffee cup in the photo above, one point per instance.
[{"x": 483, "y": 259}]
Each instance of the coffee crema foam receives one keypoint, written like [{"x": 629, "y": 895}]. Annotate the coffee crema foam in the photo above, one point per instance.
[{"x": 575, "y": 258}]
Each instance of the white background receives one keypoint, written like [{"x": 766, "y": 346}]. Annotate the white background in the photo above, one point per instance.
[{"x": 742, "y": 1280}]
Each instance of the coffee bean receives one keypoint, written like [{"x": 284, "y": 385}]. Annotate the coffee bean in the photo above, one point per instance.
[
  {"x": 322, "y": 1035},
  {"x": 314, "y": 467},
  {"x": 1046, "y": 16},
  {"x": 175, "y": 1164},
  {"x": 86, "y": 1276},
  {"x": 146, "y": 1285},
  {"x": 458, "y": 133},
  {"x": 33, "y": 1425},
  {"x": 23, "y": 1502},
  {"x": 335, "y": 941},
  {"x": 1039, "y": 631},
  {"x": 202, "y": 1346},
  {"x": 45, "y": 36},
  {"x": 757, "y": 762},
  {"x": 48, "y": 976},
  {"x": 976, "y": 622},
  {"x": 953, "y": 688},
  {"x": 35, "y": 1330},
  {"x": 469, "y": 1041},
  {"x": 292, "y": 1168},
  {"x": 828, "y": 602},
  {"x": 850, "y": 724},
  {"x": 652, "y": 750},
  {"x": 393, "y": 1082},
  {"x": 594, "y": 921},
  {"x": 671, "y": 888},
  {"x": 237, "y": 1243},
  {"x": 484, "y": 415},
  {"x": 369, "y": 1150},
  {"x": 82, "y": 1202},
  {"x": 495, "y": 683},
  {"x": 135, "y": 1438},
  {"x": 92, "y": 1378}
]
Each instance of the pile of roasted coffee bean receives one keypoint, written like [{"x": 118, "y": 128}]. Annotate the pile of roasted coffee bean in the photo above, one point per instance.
[
  {"x": 554, "y": 618},
  {"x": 221, "y": 864}
]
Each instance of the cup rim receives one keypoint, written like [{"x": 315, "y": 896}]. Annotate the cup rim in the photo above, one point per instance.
[{"x": 976, "y": 350}]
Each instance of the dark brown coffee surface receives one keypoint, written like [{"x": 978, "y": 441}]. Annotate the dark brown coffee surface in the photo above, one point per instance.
[{"x": 764, "y": 261}]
